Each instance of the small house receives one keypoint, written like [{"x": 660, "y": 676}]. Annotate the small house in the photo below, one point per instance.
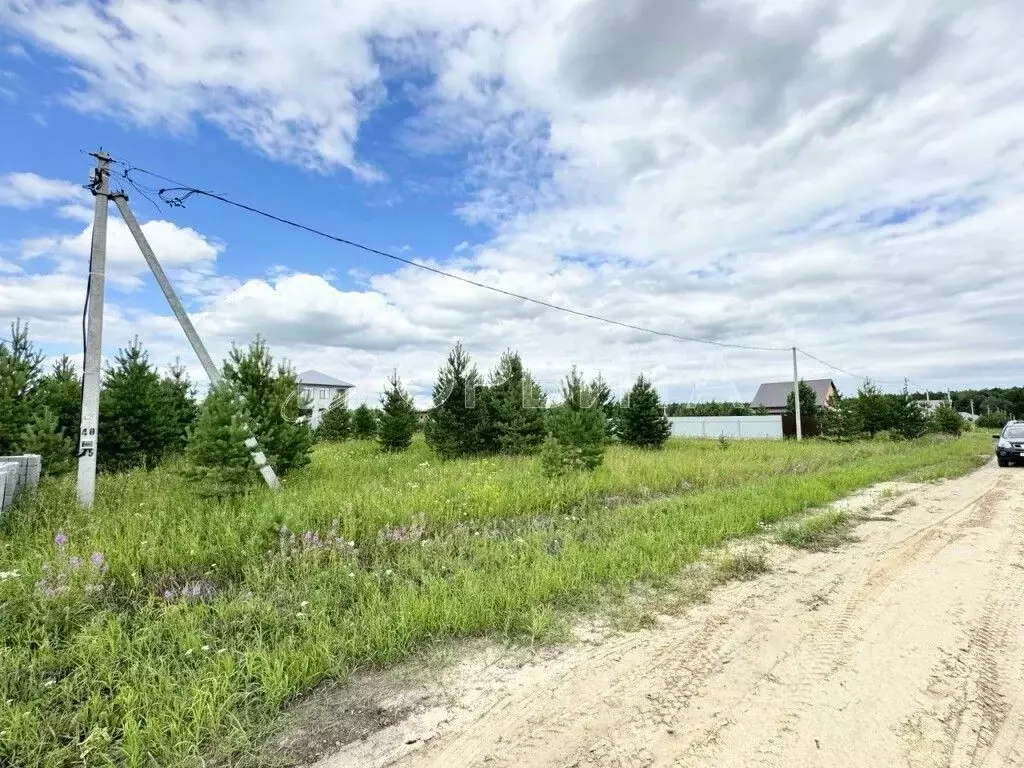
[
  {"x": 318, "y": 391},
  {"x": 772, "y": 396}
]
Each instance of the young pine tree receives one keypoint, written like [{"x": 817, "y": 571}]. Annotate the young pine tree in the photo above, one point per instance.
[
  {"x": 576, "y": 430},
  {"x": 336, "y": 424},
  {"x": 219, "y": 462},
  {"x": 515, "y": 406},
  {"x": 398, "y": 417},
  {"x": 61, "y": 392},
  {"x": 641, "y": 420},
  {"x": 873, "y": 408},
  {"x": 810, "y": 411},
  {"x": 909, "y": 421},
  {"x": 364, "y": 422},
  {"x": 948, "y": 421},
  {"x": 42, "y": 435},
  {"x": 21, "y": 366},
  {"x": 841, "y": 420},
  {"x": 601, "y": 395},
  {"x": 457, "y": 425},
  {"x": 180, "y": 402},
  {"x": 271, "y": 398},
  {"x": 136, "y": 428}
]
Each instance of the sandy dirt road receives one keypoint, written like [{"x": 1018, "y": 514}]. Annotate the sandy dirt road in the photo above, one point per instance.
[{"x": 904, "y": 648}]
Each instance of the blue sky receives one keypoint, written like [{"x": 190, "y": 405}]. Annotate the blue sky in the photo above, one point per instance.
[{"x": 846, "y": 177}]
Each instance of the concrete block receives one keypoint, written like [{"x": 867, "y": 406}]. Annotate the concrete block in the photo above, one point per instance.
[{"x": 19, "y": 472}]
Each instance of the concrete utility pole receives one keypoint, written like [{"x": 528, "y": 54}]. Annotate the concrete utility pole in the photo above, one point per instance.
[
  {"x": 88, "y": 433},
  {"x": 796, "y": 399},
  {"x": 121, "y": 200}
]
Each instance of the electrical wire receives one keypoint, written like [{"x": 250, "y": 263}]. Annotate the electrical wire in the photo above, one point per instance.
[
  {"x": 834, "y": 367},
  {"x": 184, "y": 192}
]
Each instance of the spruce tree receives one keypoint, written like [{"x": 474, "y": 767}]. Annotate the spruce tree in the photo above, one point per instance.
[
  {"x": 515, "y": 404},
  {"x": 135, "y": 425},
  {"x": 20, "y": 370},
  {"x": 271, "y": 398},
  {"x": 576, "y": 430},
  {"x": 398, "y": 417},
  {"x": 641, "y": 420},
  {"x": 43, "y": 436},
  {"x": 364, "y": 422},
  {"x": 336, "y": 423},
  {"x": 219, "y": 462},
  {"x": 456, "y": 425}
]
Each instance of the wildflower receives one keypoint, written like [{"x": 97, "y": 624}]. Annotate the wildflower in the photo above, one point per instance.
[
  {"x": 61, "y": 539},
  {"x": 351, "y": 575},
  {"x": 97, "y": 559},
  {"x": 206, "y": 647},
  {"x": 222, "y": 650},
  {"x": 388, "y": 572},
  {"x": 300, "y": 615},
  {"x": 168, "y": 595},
  {"x": 304, "y": 603},
  {"x": 188, "y": 652},
  {"x": 75, "y": 563},
  {"x": 4, "y": 575},
  {"x": 50, "y": 683}
]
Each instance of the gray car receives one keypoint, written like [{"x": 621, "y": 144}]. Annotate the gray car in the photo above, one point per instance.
[{"x": 1011, "y": 444}]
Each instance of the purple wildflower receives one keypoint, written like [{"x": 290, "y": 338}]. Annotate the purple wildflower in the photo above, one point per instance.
[
  {"x": 97, "y": 559},
  {"x": 61, "y": 539}
]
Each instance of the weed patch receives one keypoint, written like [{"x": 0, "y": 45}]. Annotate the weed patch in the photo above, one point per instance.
[{"x": 818, "y": 532}]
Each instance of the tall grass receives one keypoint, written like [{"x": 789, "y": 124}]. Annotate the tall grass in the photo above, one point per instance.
[{"x": 203, "y": 619}]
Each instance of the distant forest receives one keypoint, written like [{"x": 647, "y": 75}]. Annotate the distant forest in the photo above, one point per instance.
[{"x": 1009, "y": 401}]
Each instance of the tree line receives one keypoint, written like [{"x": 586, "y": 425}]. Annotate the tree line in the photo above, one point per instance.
[
  {"x": 147, "y": 417},
  {"x": 507, "y": 413},
  {"x": 872, "y": 413}
]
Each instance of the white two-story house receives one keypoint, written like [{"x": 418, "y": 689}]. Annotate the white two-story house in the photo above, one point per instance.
[{"x": 318, "y": 391}]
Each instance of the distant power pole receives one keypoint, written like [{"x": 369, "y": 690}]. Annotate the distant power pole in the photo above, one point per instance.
[
  {"x": 88, "y": 432},
  {"x": 796, "y": 399}
]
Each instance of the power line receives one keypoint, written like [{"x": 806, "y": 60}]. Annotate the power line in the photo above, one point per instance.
[
  {"x": 857, "y": 375},
  {"x": 184, "y": 191},
  {"x": 805, "y": 353}
]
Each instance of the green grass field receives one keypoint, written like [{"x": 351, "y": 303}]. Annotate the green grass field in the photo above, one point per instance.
[{"x": 169, "y": 630}]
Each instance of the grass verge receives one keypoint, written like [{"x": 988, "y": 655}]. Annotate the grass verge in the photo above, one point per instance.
[{"x": 168, "y": 630}]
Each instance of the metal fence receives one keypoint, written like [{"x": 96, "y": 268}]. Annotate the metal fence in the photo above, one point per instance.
[
  {"x": 16, "y": 474},
  {"x": 741, "y": 427}
]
